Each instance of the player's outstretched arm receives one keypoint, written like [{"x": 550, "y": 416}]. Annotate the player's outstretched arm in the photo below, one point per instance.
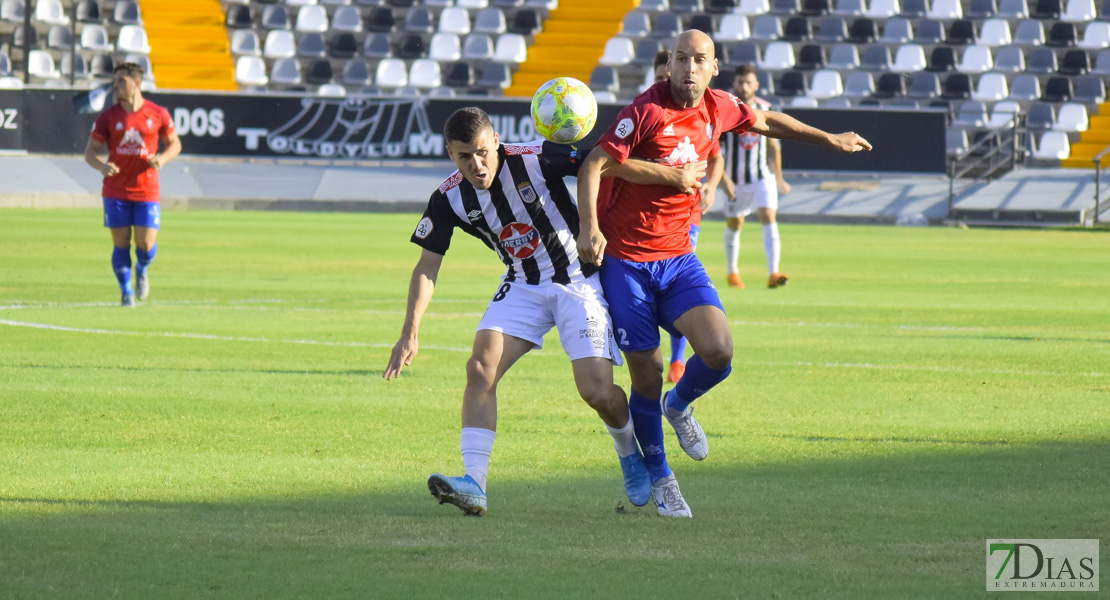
[
  {"x": 784, "y": 127},
  {"x": 591, "y": 244},
  {"x": 686, "y": 178},
  {"x": 421, "y": 287}
]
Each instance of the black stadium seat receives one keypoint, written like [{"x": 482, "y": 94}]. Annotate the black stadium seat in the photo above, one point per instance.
[
  {"x": 815, "y": 8},
  {"x": 961, "y": 32},
  {"x": 942, "y": 59},
  {"x": 1046, "y": 9},
  {"x": 525, "y": 22},
  {"x": 703, "y": 23},
  {"x": 319, "y": 72},
  {"x": 793, "y": 83},
  {"x": 810, "y": 57},
  {"x": 890, "y": 85},
  {"x": 957, "y": 87},
  {"x": 88, "y": 11},
  {"x": 380, "y": 20},
  {"x": 239, "y": 17},
  {"x": 1075, "y": 62},
  {"x": 1061, "y": 35},
  {"x": 411, "y": 46},
  {"x": 343, "y": 46},
  {"x": 797, "y": 29},
  {"x": 1057, "y": 89},
  {"x": 862, "y": 31},
  {"x": 459, "y": 74}
]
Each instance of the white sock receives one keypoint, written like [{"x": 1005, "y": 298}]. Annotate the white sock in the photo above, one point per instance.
[
  {"x": 624, "y": 439},
  {"x": 477, "y": 445},
  {"x": 772, "y": 246},
  {"x": 732, "y": 249}
]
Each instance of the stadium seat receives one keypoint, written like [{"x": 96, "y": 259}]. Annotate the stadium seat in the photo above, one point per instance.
[
  {"x": 1053, "y": 145},
  {"x": 1009, "y": 59},
  {"x": 346, "y": 18},
  {"x": 876, "y": 58},
  {"x": 40, "y": 64},
  {"x": 826, "y": 84},
  {"x": 862, "y": 31},
  {"x": 883, "y": 9},
  {"x": 495, "y": 76},
  {"x": 753, "y": 8},
  {"x": 511, "y": 48},
  {"x": 618, "y": 51},
  {"x": 706, "y": 24},
  {"x": 311, "y": 45},
  {"x": 459, "y": 74},
  {"x": 525, "y": 22},
  {"x": 391, "y": 73},
  {"x": 1096, "y": 36},
  {"x": 981, "y": 9},
  {"x": 31, "y": 35},
  {"x": 804, "y": 102},
  {"x": 331, "y": 90},
  {"x": 685, "y": 6},
  {"x": 11, "y": 83},
  {"x": 909, "y": 59},
  {"x": 786, "y": 7},
  {"x": 897, "y": 31},
  {"x": 793, "y": 83},
  {"x": 132, "y": 38},
  {"x": 1025, "y": 87},
  {"x": 890, "y": 85},
  {"x": 955, "y": 142},
  {"x": 928, "y": 32},
  {"x": 777, "y": 56},
  {"x": 507, "y": 3},
  {"x": 491, "y": 21},
  {"x": 94, "y": 37},
  {"x": 994, "y": 32},
  {"x": 411, "y": 46},
  {"x": 472, "y": 4},
  {"x": 961, "y": 32},
  {"x": 976, "y": 59},
  {"x": 380, "y": 20},
  {"x": 654, "y": 5},
  {"x": 279, "y": 44},
  {"x": 844, "y": 57},
  {"x": 59, "y": 37},
  {"x": 239, "y": 17},
  {"x": 945, "y": 10},
  {"x": 1075, "y": 62},
  {"x": 50, "y": 12},
  {"x": 12, "y": 11},
  {"x": 991, "y": 88},
  {"x": 88, "y": 11},
  {"x": 356, "y": 72},
  {"x": 1061, "y": 35},
  {"x": 666, "y": 25},
  {"x": 924, "y": 86},
  {"x": 74, "y": 65},
  {"x": 318, "y": 72},
  {"x": 127, "y": 12},
  {"x": 831, "y": 30},
  {"x": 1002, "y": 114},
  {"x": 1079, "y": 11},
  {"x": 815, "y": 8},
  {"x": 425, "y": 74},
  {"x": 1090, "y": 89},
  {"x": 646, "y": 50},
  {"x": 275, "y": 16},
  {"x": 445, "y": 47},
  {"x": 1012, "y": 9},
  {"x": 605, "y": 79},
  {"x": 745, "y": 53},
  {"x": 914, "y": 9},
  {"x": 734, "y": 28},
  {"x": 837, "y": 103},
  {"x": 850, "y": 8},
  {"x": 971, "y": 114},
  {"x": 1041, "y": 116},
  {"x": 957, "y": 86},
  {"x": 312, "y": 19},
  {"x": 339, "y": 2},
  {"x": 5, "y": 65},
  {"x": 297, "y": 3},
  {"x": 810, "y": 57},
  {"x": 101, "y": 65},
  {"x": 250, "y": 70},
  {"x": 420, "y": 20},
  {"x": 1046, "y": 9},
  {"x": 343, "y": 46},
  {"x": 243, "y": 42},
  {"x": 720, "y": 6},
  {"x": 477, "y": 46},
  {"x": 1057, "y": 89},
  {"x": 635, "y": 24},
  {"x": 1072, "y": 117},
  {"x": 1102, "y": 63},
  {"x": 1029, "y": 33},
  {"x": 1041, "y": 60},
  {"x": 767, "y": 27},
  {"x": 859, "y": 84},
  {"x": 796, "y": 29}
]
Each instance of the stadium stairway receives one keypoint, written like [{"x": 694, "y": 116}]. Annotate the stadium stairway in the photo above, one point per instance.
[
  {"x": 189, "y": 45},
  {"x": 572, "y": 41},
  {"x": 1092, "y": 141}
]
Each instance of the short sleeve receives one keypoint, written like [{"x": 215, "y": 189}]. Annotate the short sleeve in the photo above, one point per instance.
[
  {"x": 433, "y": 232},
  {"x": 562, "y": 159},
  {"x": 167, "y": 123},
  {"x": 627, "y": 131},
  {"x": 734, "y": 115},
  {"x": 100, "y": 128}
]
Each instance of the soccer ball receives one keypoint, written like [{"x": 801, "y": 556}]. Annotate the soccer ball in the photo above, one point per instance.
[{"x": 564, "y": 110}]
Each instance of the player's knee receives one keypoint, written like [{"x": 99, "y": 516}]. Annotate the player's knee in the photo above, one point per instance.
[
  {"x": 599, "y": 398},
  {"x": 481, "y": 372},
  {"x": 717, "y": 356}
]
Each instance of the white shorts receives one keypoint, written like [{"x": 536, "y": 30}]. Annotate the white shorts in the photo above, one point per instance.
[
  {"x": 578, "y": 310},
  {"x": 760, "y": 194}
]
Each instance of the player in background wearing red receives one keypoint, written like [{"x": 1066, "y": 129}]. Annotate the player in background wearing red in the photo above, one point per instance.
[
  {"x": 650, "y": 275},
  {"x": 131, "y": 128}
]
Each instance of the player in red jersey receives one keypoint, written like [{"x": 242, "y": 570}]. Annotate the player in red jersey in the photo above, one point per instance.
[
  {"x": 131, "y": 129},
  {"x": 650, "y": 275}
]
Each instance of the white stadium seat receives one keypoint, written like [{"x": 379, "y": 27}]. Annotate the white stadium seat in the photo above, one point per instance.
[{"x": 251, "y": 70}]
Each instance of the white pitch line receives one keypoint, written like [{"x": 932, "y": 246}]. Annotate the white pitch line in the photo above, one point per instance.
[{"x": 933, "y": 369}]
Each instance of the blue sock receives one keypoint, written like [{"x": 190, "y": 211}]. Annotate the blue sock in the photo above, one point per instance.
[
  {"x": 697, "y": 380},
  {"x": 144, "y": 257},
  {"x": 678, "y": 349},
  {"x": 647, "y": 420},
  {"x": 121, "y": 264}
]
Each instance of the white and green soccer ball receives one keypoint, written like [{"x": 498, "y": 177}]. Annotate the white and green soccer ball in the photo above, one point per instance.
[{"x": 564, "y": 110}]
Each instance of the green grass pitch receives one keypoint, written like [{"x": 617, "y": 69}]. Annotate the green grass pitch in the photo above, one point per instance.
[{"x": 910, "y": 394}]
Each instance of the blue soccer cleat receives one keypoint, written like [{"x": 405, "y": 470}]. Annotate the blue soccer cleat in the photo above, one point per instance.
[
  {"x": 463, "y": 492},
  {"x": 637, "y": 480}
]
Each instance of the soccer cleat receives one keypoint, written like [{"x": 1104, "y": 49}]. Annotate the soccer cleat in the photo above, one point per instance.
[
  {"x": 734, "y": 281},
  {"x": 637, "y": 481},
  {"x": 127, "y": 300},
  {"x": 777, "y": 280},
  {"x": 668, "y": 498},
  {"x": 690, "y": 434},
  {"x": 675, "y": 373},
  {"x": 142, "y": 285},
  {"x": 463, "y": 492}
]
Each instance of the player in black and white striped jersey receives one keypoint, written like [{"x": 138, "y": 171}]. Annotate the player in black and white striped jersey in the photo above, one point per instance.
[
  {"x": 512, "y": 197},
  {"x": 753, "y": 177}
]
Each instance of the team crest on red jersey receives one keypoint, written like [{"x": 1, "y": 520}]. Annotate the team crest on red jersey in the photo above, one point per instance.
[{"x": 520, "y": 239}]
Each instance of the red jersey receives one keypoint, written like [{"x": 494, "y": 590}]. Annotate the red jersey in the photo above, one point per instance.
[
  {"x": 132, "y": 139},
  {"x": 652, "y": 222}
]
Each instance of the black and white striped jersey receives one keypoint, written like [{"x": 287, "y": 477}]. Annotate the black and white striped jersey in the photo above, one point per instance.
[
  {"x": 746, "y": 153},
  {"x": 527, "y": 216}
]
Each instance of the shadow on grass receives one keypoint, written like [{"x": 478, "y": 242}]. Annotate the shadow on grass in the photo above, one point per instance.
[{"x": 909, "y": 524}]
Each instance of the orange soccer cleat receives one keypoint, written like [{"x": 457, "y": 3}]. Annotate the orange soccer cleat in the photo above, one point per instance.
[
  {"x": 777, "y": 280},
  {"x": 734, "y": 281},
  {"x": 675, "y": 373}
]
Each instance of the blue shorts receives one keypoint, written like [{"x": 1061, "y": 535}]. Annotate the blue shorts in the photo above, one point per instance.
[
  {"x": 127, "y": 213},
  {"x": 695, "y": 231},
  {"x": 646, "y": 296}
]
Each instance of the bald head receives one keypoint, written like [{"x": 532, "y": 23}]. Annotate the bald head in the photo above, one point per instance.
[{"x": 693, "y": 66}]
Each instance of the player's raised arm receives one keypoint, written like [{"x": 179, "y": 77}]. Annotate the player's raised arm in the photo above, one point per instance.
[
  {"x": 784, "y": 127},
  {"x": 686, "y": 178},
  {"x": 591, "y": 244},
  {"x": 421, "y": 287}
]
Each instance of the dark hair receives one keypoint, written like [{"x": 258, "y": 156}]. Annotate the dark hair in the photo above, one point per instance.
[
  {"x": 744, "y": 71},
  {"x": 661, "y": 58},
  {"x": 466, "y": 124},
  {"x": 134, "y": 71}
]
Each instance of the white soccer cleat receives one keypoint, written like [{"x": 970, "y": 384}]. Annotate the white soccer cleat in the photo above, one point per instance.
[
  {"x": 668, "y": 498},
  {"x": 690, "y": 434},
  {"x": 142, "y": 285}
]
